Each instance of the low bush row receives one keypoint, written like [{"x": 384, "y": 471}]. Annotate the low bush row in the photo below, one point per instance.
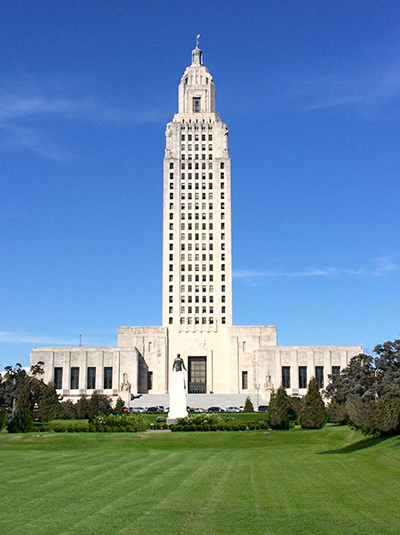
[{"x": 214, "y": 422}]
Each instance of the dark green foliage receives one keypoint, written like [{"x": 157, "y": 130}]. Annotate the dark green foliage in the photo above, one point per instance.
[
  {"x": 387, "y": 414},
  {"x": 279, "y": 407},
  {"x": 68, "y": 410},
  {"x": 22, "y": 422},
  {"x": 312, "y": 415},
  {"x": 82, "y": 408},
  {"x": 3, "y": 419},
  {"x": 68, "y": 427},
  {"x": 49, "y": 403},
  {"x": 119, "y": 406},
  {"x": 295, "y": 405},
  {"x": 19, "y": 391},
  {"x": 337, "y": 413},
  {"x": 216, "y": 422},
  {"x": 99, "y": 404},
  {"x": 248, "y": 405},
  {"x": 368, "y": 389}
]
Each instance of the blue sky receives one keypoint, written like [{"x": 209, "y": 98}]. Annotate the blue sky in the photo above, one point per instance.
[{"x": 311, "y": 95}]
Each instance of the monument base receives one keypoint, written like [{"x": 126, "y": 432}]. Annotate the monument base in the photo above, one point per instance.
[
  {"x": 172, "y": 421},
  {"x": 177, "y": 397}
]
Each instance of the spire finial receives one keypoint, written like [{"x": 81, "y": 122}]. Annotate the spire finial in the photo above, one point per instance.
[{"x": 197, "y": 40}]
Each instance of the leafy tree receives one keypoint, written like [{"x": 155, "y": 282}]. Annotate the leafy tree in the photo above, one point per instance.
[
  {"x": 49, "y": 403},
  {"x": 369, "y": 389},
  {"x": 248, "y": 405},
  {"x": 119, "y": 406},
  {"x": 20, "y": 391},
  {"x": 312, "y": 415},
  {"x": 279, "y": 407}
]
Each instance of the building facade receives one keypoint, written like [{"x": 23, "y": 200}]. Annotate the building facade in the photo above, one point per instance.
[{"x": 197, "y": 286}]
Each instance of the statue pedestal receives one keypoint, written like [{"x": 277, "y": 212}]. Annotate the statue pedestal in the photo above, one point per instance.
[{"x": 177, "y": 398}]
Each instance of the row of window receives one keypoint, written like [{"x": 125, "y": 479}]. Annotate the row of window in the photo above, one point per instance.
[
  {"x": 197, "y": 236},
  {"x": 203, "y": 165},
  {"x": 196, "y": 137},
  {"x": 197, "y": 310},
  {"x": 197, "y": 185},
  {"x": 197, "y": 226},
  {"x": 196, "y": 195},
  {"x": 196, "y": 257},
  {"x": 90, "y": 378},
  {"x": 198, "y": 321},
  {"x": 203, "y": 288},
  {"x": 302, "y": 370},
  {"x": 196, "y": 147}
]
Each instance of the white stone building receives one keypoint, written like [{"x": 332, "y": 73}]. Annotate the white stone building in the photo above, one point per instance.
[{"x": 197, "y": 286}]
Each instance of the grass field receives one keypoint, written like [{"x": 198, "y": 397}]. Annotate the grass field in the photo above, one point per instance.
[{"x": 331, "y": 481}]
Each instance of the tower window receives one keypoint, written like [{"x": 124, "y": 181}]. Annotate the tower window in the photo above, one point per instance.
[{"x": 196, "y": 104}]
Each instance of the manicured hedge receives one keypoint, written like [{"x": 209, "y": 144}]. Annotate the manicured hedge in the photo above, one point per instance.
[{"x": 214, "y": 422}]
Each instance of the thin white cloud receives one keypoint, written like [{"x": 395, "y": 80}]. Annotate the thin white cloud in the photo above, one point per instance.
[
  {"x": 371, "y": 93},
  {"x": 25, "y": 116},
  {"x": 35, "y": 339},
  {"x": 384, "y": 267}
]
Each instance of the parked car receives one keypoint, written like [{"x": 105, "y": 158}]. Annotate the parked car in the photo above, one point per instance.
[
  {"x": 198, "y": 409},
  {"x": 232, "y": 409},
  {"x": 262, "y": 408},
  {"x": 152, "y": 409},
  {"x": 215, "y": 409},
  {"x": 137, "y": 409}
]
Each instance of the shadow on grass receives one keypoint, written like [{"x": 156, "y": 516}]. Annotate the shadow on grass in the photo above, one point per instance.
[{"x": 360, "y": 445}]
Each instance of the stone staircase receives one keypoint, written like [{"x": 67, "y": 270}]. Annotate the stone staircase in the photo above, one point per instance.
[{"x": 197, "y": 400}]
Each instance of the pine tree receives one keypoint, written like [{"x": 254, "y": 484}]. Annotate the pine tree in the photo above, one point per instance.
[
  {"x": 248, "y": 405},
  {"x": 279, "y": 407},
  {"x": 49, "y": 406},
  {"x": 82, "y": 408},
  {"x": 312, "y": 414},
  {"x": 119, "y": 406}
]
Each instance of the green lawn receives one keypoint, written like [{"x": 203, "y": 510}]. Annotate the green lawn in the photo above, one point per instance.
[{"x": 331, "y": 481}]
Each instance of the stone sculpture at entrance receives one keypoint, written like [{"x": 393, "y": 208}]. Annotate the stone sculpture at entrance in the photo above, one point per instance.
[{"x": 177, "y": 395}]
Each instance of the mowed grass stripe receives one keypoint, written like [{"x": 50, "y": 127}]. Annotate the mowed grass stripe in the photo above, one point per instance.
[
  {"x": 91, "y": 487},
  {"x": 156, "y": 498}
]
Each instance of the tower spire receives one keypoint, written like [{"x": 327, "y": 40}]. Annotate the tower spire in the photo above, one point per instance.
[{"x": 197, "y": 53}]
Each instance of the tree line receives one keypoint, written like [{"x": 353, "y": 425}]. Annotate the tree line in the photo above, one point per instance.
[{"x": 25, "y": 398}]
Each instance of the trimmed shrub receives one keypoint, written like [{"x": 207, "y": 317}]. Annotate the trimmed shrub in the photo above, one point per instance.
[
  {"x": 248, "y": 405},
  {"x": 118, "y": 423}
]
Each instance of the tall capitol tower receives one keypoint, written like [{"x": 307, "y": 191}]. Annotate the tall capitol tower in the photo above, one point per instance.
[{"x": 197, "y": 288}]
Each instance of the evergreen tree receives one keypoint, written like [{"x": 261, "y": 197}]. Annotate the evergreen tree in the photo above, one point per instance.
[
  {"x": 67, "y": 410},
  {"x": 49, "y": 403},
  {"x": 248, "y": 405},
  {"x": 312, "y": 415},
  {"x": 82, "y": 408},
  {"x": 279, "y": 407},
  {"x": 22, "y": 422},
  {"x": 119, "y": 406},
  {"x": 99, "y": 404}
]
